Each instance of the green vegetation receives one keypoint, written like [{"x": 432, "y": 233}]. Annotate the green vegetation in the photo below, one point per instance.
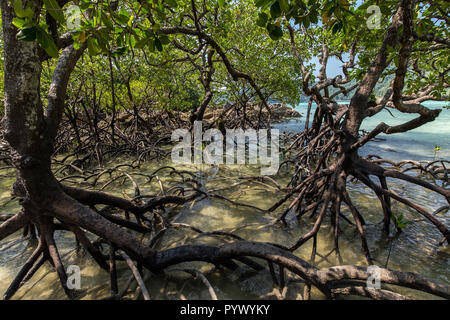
[{"x": 86, "y": 81}]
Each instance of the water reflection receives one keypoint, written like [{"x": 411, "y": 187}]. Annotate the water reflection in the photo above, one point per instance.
[{"x": 414, "y": 250}]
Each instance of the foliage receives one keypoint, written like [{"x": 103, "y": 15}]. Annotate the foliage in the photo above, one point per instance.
[{"x": 160, "y": 75}]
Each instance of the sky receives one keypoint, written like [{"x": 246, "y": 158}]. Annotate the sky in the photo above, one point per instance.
[{"x": 334, "y": 67}]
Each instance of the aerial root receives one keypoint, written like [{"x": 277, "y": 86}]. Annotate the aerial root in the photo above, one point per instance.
[
  {"x": 372, "y": 293},
  {"x": 13, "y": 224},
  {"x": 322, "y": 192},
  {"x": 329, "y": 281},
  {"x": 379, "y": 190},
  {"x": 325, "y": 190},
  {"x": 96, "y": 254},
  {"x": 47, "y": 231},
  {"x": 204, "y": 280},
  {"x": 325, "y": 280},
  {"x": 359, "y": 227},
  {"x": 136, "y": 274},
  {"x": 113, "y": 270},
  {"x": 24, "y": 271},
  {"x": 438, "y": 169}
]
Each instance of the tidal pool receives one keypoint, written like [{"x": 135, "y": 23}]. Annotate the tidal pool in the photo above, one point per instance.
[{"x": 415, "y": 249}]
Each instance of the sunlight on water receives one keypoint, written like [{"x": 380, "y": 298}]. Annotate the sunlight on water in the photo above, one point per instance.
[
  {"x": 417, "y": 144},
  {"x": 415, "y": 249}
]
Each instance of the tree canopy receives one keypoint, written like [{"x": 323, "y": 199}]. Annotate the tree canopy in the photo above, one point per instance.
[{"x": 74, "y": 69}]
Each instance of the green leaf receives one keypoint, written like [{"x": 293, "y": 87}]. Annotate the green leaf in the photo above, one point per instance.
[
  {"x": 262, "y": 19},
  {"x": 47, "y": 43},
  {"x": 19, "y": 23},
  {"x": 103, "y": 36},
  {"x": 337, "y": 27},
  {"x": 306, "y": 22},
  {"x": 130, "y": 21},
  {"x": 27, "y": 34},
  {"x": 172, "y": 3},
  {"x": 119, "y": 51},
  {"x": 86, "y": 5},
  {"x": 93, "y": 47},
  {"x": 20, "y": 12},
  {"x": 221, "y": 3},
  {"x": 284, "y": 5},
  {"x": 76, "y": 45},
  {"x": 151, "y": 45},
  {"x": 18, "y": 8},
  {"x": 106, "y": 21},
  {"x": 262, "y": 3},
  {"x": 158, "y": 45},
  {"x": 29, "y": 13},
  {"x": 313, "y": 18},
  {"x": 275, "y": 32},
  {"x": 55, "y": 10},
  {"x": 275, "y": 10},
  {"x": 164, "y": 39},
  {"x": 132, "y": 41},
  {"x": 396, "y": 60},
  {"x": 141, "y": 43},
  {"x": 399, "y": 221},
  {"x": 123, "y": 17}
]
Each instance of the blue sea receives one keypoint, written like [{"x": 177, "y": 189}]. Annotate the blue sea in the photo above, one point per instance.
[{"x": 417, "y": 144}]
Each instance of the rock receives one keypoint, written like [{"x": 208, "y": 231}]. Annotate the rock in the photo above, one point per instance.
[{"x": 281, "y": 111}]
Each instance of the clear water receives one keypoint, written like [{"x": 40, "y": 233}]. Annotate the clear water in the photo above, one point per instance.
[
  {"x": 416, "y": 249},
  {"x": 417, "y": 144}
]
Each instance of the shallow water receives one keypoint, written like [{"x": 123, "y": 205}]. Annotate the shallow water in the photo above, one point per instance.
[
  {"x": 417, "y": 144},
  {"x": 416, "y": 249}
]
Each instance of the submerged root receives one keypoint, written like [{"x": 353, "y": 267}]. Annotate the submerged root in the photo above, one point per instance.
[
  {"x": 332, "y": 282},
  {"x": 326, "y": 191},
  {"x": 319, "y": 188},
  {"x": 325, "y": 162}
]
